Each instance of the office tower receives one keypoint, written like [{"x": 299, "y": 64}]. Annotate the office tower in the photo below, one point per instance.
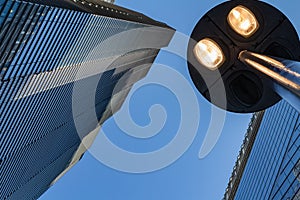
[
  {"x": 47, "y": 47},
  {"x": 268, "y": 165}
]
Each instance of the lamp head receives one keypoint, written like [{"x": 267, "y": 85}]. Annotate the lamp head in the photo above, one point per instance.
[{"x": 219, "y": 37}]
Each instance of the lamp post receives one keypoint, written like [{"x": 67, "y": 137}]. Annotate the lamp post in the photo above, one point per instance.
[
  {"x": 255, "y": 49},
  {"x": 285, "y": 75}
]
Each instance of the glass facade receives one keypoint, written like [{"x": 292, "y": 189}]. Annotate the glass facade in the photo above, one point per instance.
[
  {"x": 43, "y": 47},
  {"x": 271, "y": 170}
]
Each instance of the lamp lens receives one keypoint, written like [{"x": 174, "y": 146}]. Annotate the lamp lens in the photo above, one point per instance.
[
  {"x": 209, "y": 54},
  {"x": 243, "y": 21}
]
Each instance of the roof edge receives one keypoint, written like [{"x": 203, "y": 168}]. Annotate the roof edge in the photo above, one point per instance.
[{"x": 99, "y": 7}]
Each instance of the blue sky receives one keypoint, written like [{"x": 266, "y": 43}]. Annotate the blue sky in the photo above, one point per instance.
[{"x": 189, "y": 177}]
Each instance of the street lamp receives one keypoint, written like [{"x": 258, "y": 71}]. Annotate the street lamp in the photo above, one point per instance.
[{"x": 254, "y": 48}]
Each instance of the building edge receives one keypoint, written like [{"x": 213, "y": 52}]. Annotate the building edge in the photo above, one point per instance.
[
  {"x": 243, "y": 156},
  {"x": 100, "y": 7}
]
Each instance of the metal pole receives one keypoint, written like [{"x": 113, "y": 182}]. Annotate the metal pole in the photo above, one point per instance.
[{"x": 285, "y": 74}]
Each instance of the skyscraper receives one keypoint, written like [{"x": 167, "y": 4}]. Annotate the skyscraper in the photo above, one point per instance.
[
  {"x": 48, "y": 48},
  {"x": 269, "y": 161}
]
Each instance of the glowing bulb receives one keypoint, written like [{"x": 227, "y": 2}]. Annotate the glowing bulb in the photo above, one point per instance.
[
  {"x": 209, "y": 54},
  {"x": 236, "y": 14},
  {"x": 243, "y": 21}
]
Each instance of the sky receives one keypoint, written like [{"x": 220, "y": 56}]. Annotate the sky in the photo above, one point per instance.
[{"x": 189, "y": 177}]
